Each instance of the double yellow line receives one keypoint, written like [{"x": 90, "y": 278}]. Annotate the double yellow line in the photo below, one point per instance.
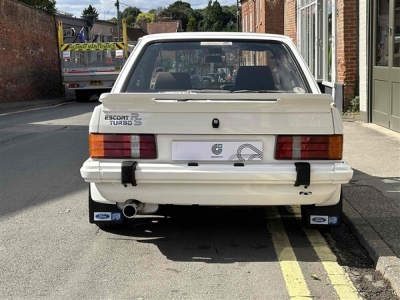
[{"x": 295, "y": 282}]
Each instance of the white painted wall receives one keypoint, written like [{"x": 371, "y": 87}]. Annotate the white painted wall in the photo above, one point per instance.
[{"x": 363, "y": 57}]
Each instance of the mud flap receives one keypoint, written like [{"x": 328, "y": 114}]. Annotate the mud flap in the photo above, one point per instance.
[
  {"x": 322, "y": 216},
  {"x": 104, "y": 214}
]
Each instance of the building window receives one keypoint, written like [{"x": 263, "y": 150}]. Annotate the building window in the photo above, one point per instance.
[
  {"x": 396, "y": 48},
  {"x": 316, "y": 37},
  {"x": 251, "y": 22},
  {"x": 382, "y": 51}
]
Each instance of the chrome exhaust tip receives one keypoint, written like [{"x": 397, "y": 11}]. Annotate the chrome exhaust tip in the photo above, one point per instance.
[{"x": 130, "y": 210}]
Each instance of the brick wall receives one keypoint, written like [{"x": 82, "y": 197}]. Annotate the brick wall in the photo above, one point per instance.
[
  {"x": 274, "y": 16},
  {"x": 291, "y": 20},
  {"x": 29, "y": 64},
  {"x": 247, "y": 10},
  {"x": 347, "y": 33},
  {"x": 264, "y": 16}
]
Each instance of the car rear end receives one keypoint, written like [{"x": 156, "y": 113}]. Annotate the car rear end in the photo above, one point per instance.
[{"x": 214, "y": 147}]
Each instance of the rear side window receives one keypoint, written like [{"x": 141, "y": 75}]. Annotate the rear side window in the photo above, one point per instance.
[{"x": 208, "y": 66}]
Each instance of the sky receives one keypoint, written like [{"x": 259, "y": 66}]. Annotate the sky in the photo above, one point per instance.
[{"x": 108, "y": 10}]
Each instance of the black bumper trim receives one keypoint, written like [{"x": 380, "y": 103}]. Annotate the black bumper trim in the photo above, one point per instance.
[
  {"x": 128, "y": 169},
  {"x": 303, "y": 174}
]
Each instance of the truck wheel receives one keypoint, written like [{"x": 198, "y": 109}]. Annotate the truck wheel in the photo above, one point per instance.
[
  {"x": 82, "y": 96},
  {"x": 322, "y": 217},
  {"x": 105, "y": 215}
]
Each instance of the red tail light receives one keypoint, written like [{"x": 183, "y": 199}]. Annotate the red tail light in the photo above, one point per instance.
[
  {"x": 309, "y": 147},
  {"x": 122, "y": 146}
]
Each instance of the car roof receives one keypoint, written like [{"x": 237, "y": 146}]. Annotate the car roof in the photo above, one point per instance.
[{"x": 214, "y": 35}]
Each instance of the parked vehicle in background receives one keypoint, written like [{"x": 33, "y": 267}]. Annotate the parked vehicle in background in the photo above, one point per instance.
[
  {"x": 207, "y": 79},
  {"x": 92, "y": 68},
  {"x": 268, "y": 138}
]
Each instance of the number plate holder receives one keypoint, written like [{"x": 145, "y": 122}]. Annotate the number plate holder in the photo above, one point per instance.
[
  {"x": 96, "y": 83},
  {"x": 217, "y": 150}
]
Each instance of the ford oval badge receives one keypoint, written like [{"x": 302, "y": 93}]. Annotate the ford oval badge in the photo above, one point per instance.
[
  {"x": 102, "y": 216},
  {"x": 318, "y": 220}
]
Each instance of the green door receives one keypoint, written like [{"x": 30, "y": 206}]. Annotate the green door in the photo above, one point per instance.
[{"x": 386, "y": 68}]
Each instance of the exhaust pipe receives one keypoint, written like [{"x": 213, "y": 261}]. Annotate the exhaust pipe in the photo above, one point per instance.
[{"x": 130, "y": 209}]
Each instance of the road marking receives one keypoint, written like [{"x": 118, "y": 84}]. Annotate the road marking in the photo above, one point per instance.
[
  {"x": 31, "y": 109},
  {"x": 338, "y": 277},
  {"x": 295, "y": 282}
]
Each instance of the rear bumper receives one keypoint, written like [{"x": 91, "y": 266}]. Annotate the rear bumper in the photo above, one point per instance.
[{"x": 217, "y": 184}]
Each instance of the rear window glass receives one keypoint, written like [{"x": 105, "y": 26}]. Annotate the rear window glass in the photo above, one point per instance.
[{"x": 208, "y": 66}]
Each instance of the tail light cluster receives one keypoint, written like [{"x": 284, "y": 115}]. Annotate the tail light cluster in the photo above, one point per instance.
[
  {"x": 309, "y": 147},
  {"x": 122, "y": 146}
]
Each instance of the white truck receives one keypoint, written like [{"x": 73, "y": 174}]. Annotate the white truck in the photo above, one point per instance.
[
  {"x": 267, "y": 138},
  {"x": 91, "y": 68}
]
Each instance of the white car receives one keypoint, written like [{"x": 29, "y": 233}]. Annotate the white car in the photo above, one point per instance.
[{"x": 265, "y": 137}]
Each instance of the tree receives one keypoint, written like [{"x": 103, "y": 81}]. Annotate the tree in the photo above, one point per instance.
[
  {"x": 192, "y": 24},
  {"x": 230, "y": 13},
  {"x": 130, "y": 14},
  {"x": 217, "y": 18},
  {"x": 194, "y": 20},
  {"x": 90, "y": 11},
  {"x": 45, "y": 5},
  {"x": 213, "y": 17},
  {"x": 178, "y": 11},
  {"x": 150, "y": 18}
]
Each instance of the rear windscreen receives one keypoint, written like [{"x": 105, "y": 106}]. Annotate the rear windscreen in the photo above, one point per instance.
[{"x": 230, "y": 66}]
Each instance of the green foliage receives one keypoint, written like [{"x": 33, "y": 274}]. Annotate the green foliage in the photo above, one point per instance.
[
  {"x": 214, "y": 17},
  {"x": 231, "y": 17},
  {"x": 230, "y": 12},
  {"x": 192, "y": 24},
  {"x": 130, "y": 14},
  {"x": 45, "y": 5},
  {"x": 194, "y": 20},
  {"x": 90, "y": 11},
  {"x": 354, "y": 104},
  {"x": 178, "y": 11},
  {"x": 147, "y": 16},
  {"x": 218, "y": 18}
]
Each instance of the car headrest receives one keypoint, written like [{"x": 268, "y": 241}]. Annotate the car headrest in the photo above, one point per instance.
[{"x": 254, "y": 78}]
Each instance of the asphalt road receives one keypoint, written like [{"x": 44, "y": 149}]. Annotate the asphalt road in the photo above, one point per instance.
[{"x": 48, "y": 249}]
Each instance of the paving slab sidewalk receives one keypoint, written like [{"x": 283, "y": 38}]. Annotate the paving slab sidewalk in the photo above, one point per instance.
[{"x": 372, "y": 197}]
